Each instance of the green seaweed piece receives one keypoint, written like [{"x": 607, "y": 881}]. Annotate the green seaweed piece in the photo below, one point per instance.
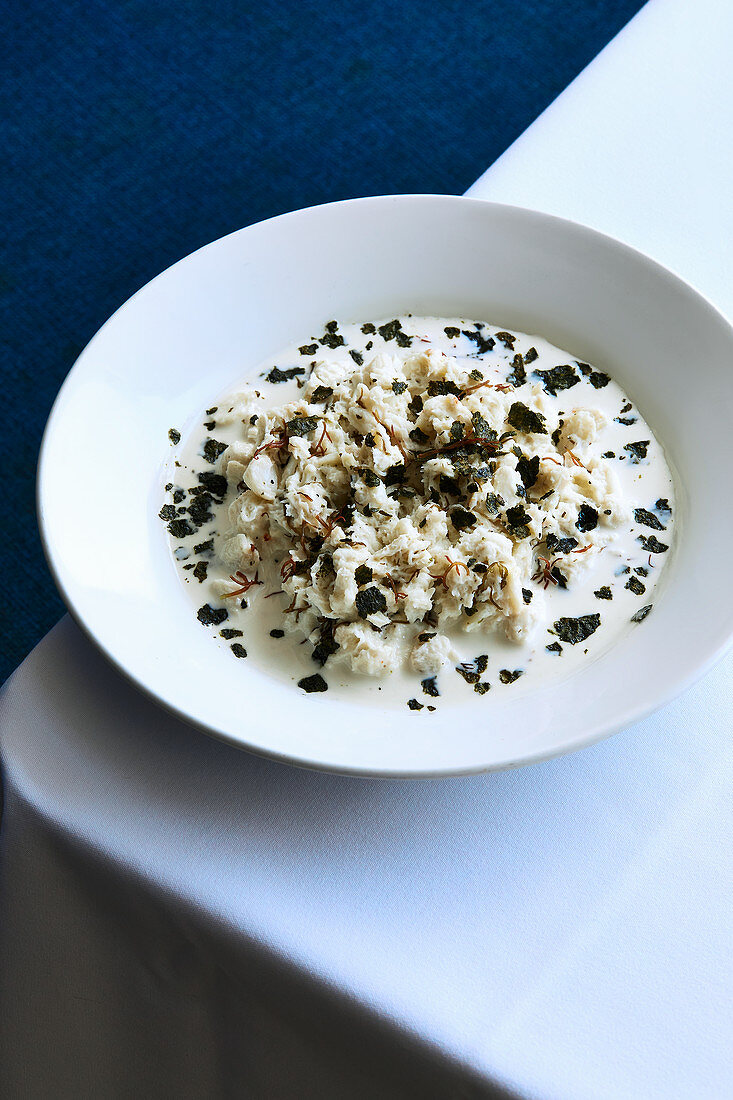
[
  {"x": 212, "y": 449},
  {"x": 461, "y": 518},
  {"x": 587, "y": 518},
  {"x": 560, "y": 546},
  {"x": 636, "y": 586},
  {"x": 302, "y": 425},
  {"x": 517, "y": 520},
  {"x": 637, "y": 450},
  {"x": 529, "y": 470},
  {"x": 518, "y": 375},
  {"x": 199, "y": 509},
  {"x": 648, "y": 519},
  {"x": 576, "y": 630},
  {"x": 395, "y": 474},
  {"x": 216, "y": 484},
  {"x": 180, "y": 528},
  {"x": 389, "y": 330},
  {"x": 370, "y": 601},
  {"x": 276, "y": 375},
  {"x": 439, "y": 387},
  {"x": 313, "y": 683},
  {"x": 211, "y": 616},
  {"x": 449, "y": 485},
  {"x": 369, "y": 477},
  {"x": 483, "y": 343},
  {"x": 482, "y": 427},
  {"x": 332, "y": 340},
  {"x": 526, "y": 420},
  {"x": 652, "y": 545},
  {"x": 326, "y": 645},
  {"x": 562, "y": 377}
]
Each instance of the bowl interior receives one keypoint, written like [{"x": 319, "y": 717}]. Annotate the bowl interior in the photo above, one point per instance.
[{"x": 198, "y": 327}]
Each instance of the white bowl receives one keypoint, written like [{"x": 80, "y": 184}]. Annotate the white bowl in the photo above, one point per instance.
[{"x": 185, "y": 337}]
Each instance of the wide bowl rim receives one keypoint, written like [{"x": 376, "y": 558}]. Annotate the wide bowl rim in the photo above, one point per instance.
[{"x": 699, "y": 664}]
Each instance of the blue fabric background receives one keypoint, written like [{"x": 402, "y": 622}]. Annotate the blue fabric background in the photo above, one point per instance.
[{"x": 134, "y": 132}]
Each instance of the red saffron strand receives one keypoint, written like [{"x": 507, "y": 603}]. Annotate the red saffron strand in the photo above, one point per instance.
[{"x": 245, "y": 584}]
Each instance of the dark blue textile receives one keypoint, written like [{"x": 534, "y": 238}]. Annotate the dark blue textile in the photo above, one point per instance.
[{"x": 133, "y": 132}]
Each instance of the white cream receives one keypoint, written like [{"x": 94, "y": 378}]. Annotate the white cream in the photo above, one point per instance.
[{"x": 587, "y": 412}]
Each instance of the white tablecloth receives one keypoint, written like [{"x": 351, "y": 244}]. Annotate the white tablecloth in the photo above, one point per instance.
[{"x": 182, "y": 919}]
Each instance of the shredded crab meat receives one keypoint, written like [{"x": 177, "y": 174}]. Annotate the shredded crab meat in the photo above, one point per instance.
[{"x": 403, "y": 499}]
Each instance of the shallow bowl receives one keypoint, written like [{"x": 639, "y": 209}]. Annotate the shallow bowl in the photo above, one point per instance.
[{"x": 192, "y": 332}]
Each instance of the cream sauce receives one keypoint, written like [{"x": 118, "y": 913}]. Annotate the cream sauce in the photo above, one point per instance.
[{"x": 625, "y": 562}]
